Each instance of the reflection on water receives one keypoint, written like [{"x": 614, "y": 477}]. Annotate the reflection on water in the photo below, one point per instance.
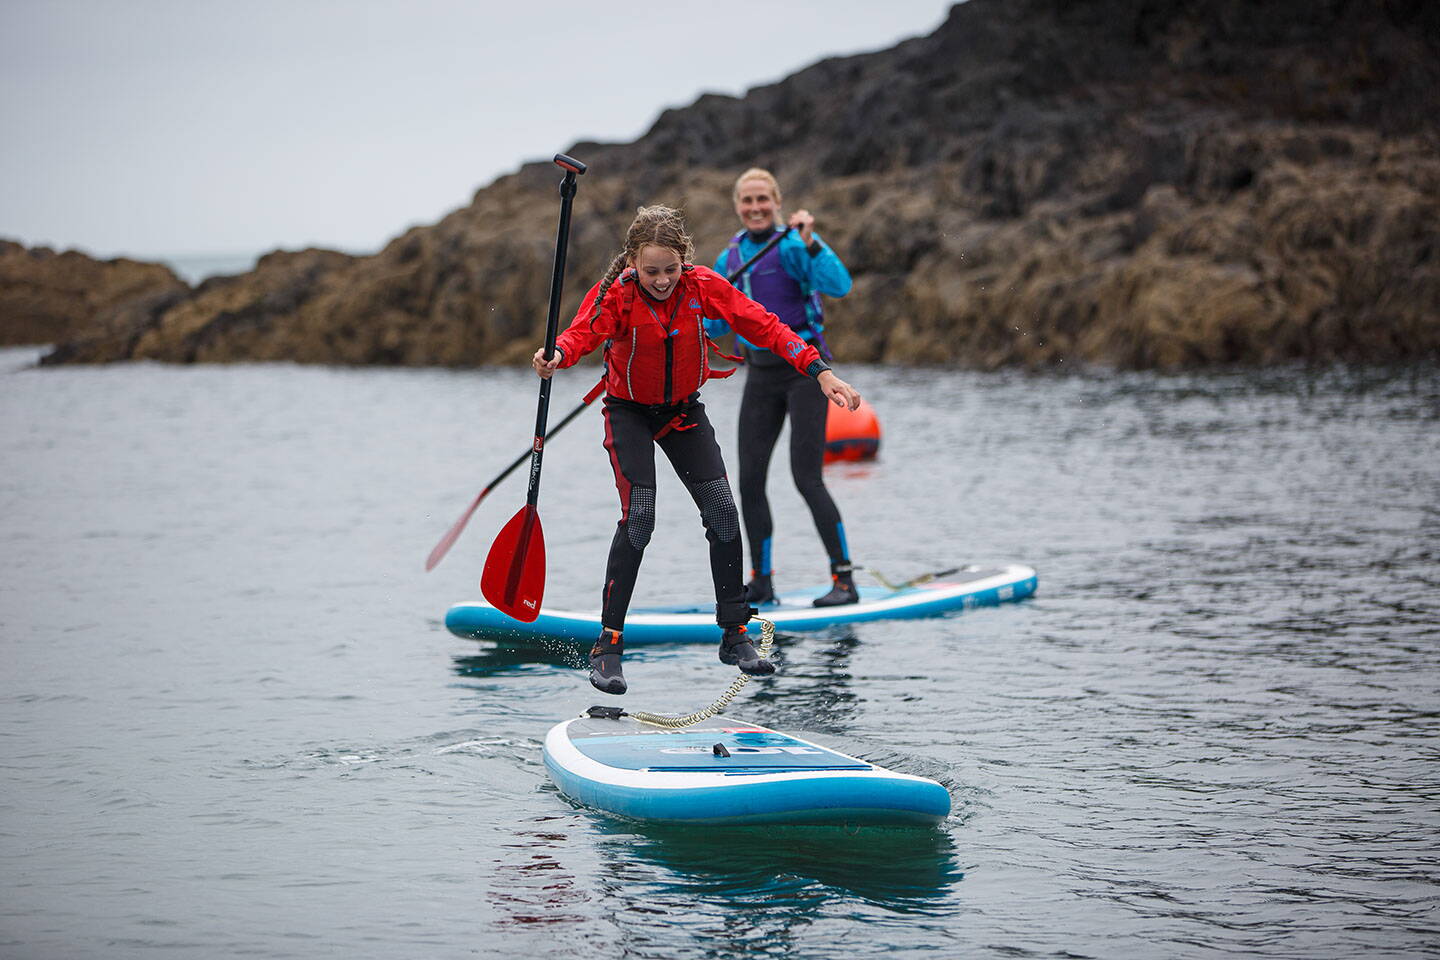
[
  {"x": 816, "y": 692},
  {"x": 770, "y": 891},
  {"x": 500, "y": 659},
  {"x": 531, "y": 882},
  {"x": 904, "y": 869},
  {"x": 646, "y": 890}
]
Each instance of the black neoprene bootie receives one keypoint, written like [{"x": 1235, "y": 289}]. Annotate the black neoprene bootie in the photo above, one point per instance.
[
  {"x": 759, "y": 589},
  {"x": 842, "y": 591},
  {"x": 605, "y": 673},
  {"x": 736, "y": 650}
]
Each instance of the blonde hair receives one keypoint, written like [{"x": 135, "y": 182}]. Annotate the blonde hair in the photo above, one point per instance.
[
  {"x": 656, "y": 225},
  {"x": 757, "y": 173}
]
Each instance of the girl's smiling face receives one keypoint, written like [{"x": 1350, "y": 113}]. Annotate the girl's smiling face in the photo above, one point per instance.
[
  {"x": 658, "y": 269},
  {"x": 756, "y": 205}
]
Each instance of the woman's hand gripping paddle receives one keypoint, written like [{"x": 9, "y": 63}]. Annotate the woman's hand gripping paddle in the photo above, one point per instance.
[
  {"x": 514, "y": 576},
  {"x": 453, "y": 534}
]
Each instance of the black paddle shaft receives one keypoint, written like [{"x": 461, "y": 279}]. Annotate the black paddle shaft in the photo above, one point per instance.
[
  {"x": 769, "y": 245},
  {"x": 572, "y": 168}
]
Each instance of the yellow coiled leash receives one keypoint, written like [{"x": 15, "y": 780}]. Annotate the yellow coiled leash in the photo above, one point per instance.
[{"x": 767, "y": 639}]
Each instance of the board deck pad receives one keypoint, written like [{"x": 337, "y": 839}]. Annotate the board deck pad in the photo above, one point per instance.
[
  {"x": 969, "y": 587},
  {"x": 726, "y": 771},
  {"x": 751, "y": 749}
]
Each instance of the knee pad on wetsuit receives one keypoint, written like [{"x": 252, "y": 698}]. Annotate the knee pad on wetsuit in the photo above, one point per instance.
[
  {"x": 640, "y": 518},
  {"x": 717, "y": 509}
]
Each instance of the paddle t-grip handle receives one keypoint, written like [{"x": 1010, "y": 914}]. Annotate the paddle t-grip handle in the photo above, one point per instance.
[
  {"x": 572, "y": 168},
  {"x": 569, "y": 163}
]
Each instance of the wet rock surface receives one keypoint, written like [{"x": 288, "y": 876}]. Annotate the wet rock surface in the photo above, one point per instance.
[{"x": 49, "y": 297}]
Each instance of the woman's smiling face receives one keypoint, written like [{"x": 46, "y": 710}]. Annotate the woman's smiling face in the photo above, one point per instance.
[
  {"x": 658, "y": 269},
  {"x": 756, "y": 205}
]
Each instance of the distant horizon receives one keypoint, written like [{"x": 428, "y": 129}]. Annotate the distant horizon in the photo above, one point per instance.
[
  {"x": 223, "y": 129},
  {"x": 188, "y": 255}
]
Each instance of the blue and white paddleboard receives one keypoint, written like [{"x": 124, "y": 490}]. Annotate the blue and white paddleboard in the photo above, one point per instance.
[
  {"x": 724, "y": 771},
  {"x": 964, "y": 588}
]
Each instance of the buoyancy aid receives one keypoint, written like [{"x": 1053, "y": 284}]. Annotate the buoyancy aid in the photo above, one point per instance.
[
  {"x": 657, "y": 352},
  {"x": 798, "y": 308}
]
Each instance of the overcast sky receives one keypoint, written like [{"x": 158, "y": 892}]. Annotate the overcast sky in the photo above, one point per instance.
[{"x": 156, "y": 128}]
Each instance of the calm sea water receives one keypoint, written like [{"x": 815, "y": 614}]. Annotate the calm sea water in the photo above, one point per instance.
[
  {"x": 196, "y": 268},
  {"x": 231, "y": 723}
]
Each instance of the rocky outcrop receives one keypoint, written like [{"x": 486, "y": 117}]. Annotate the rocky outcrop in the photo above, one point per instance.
[
  {"x": 49, "y": 297},
  {"x": 1330, "y": 258},
  {"x": 249, "y": 316},
  {"x": 1136, "y": 183}
]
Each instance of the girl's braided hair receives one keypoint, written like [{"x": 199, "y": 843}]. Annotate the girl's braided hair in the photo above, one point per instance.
[{"x": 659, "y": 225}]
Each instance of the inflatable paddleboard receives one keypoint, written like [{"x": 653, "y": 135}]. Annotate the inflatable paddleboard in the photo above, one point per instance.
[
  {"x": 960, "y": 590},
  {"x": 728, "y": 772}
]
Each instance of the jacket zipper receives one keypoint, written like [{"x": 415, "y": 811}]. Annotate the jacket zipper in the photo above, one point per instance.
[
  {"x": 669, "y": 346},
  {"x": 669, "y": 366}
]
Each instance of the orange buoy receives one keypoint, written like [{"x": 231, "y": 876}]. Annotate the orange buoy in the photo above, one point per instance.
[{"x": 851, "y": 434}]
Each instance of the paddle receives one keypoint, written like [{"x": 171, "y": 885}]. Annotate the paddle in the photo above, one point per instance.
[
  {"x": 453, "y": 534},
  {"x": 514, "y": 576},
  {"x": 769, "y": 245}
]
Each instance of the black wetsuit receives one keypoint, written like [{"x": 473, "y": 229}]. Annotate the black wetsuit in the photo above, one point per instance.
[
  {"x": 684, "y": 433},
  {"x": 774, "y": 390}
]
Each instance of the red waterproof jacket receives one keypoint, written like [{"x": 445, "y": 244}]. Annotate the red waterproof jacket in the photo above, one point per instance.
[{"x": 657, "y": 351}]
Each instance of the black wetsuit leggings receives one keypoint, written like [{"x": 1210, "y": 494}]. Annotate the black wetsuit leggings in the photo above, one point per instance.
[
  {"x": 632, "y": 432},
  {"x": 771, "y": 392}
]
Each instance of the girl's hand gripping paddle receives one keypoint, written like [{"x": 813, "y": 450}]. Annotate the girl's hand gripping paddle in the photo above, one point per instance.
[{"x": 514, "y": 576}]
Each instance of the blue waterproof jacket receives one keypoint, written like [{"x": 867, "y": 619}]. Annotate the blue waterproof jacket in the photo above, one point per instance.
[{"x": 822, "y": 272}]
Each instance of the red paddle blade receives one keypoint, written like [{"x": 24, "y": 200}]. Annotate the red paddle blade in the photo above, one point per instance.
[{"x": 514, "y": 576}]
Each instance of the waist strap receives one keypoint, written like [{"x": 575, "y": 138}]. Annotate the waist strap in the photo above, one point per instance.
[{"x": 677, "y": 422}]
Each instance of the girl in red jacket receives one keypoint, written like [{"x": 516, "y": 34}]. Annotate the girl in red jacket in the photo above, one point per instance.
[{"x": 649, "y": 312}]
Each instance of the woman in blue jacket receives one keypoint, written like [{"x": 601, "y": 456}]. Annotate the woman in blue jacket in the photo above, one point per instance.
[{"x": 788, "y": 281}]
